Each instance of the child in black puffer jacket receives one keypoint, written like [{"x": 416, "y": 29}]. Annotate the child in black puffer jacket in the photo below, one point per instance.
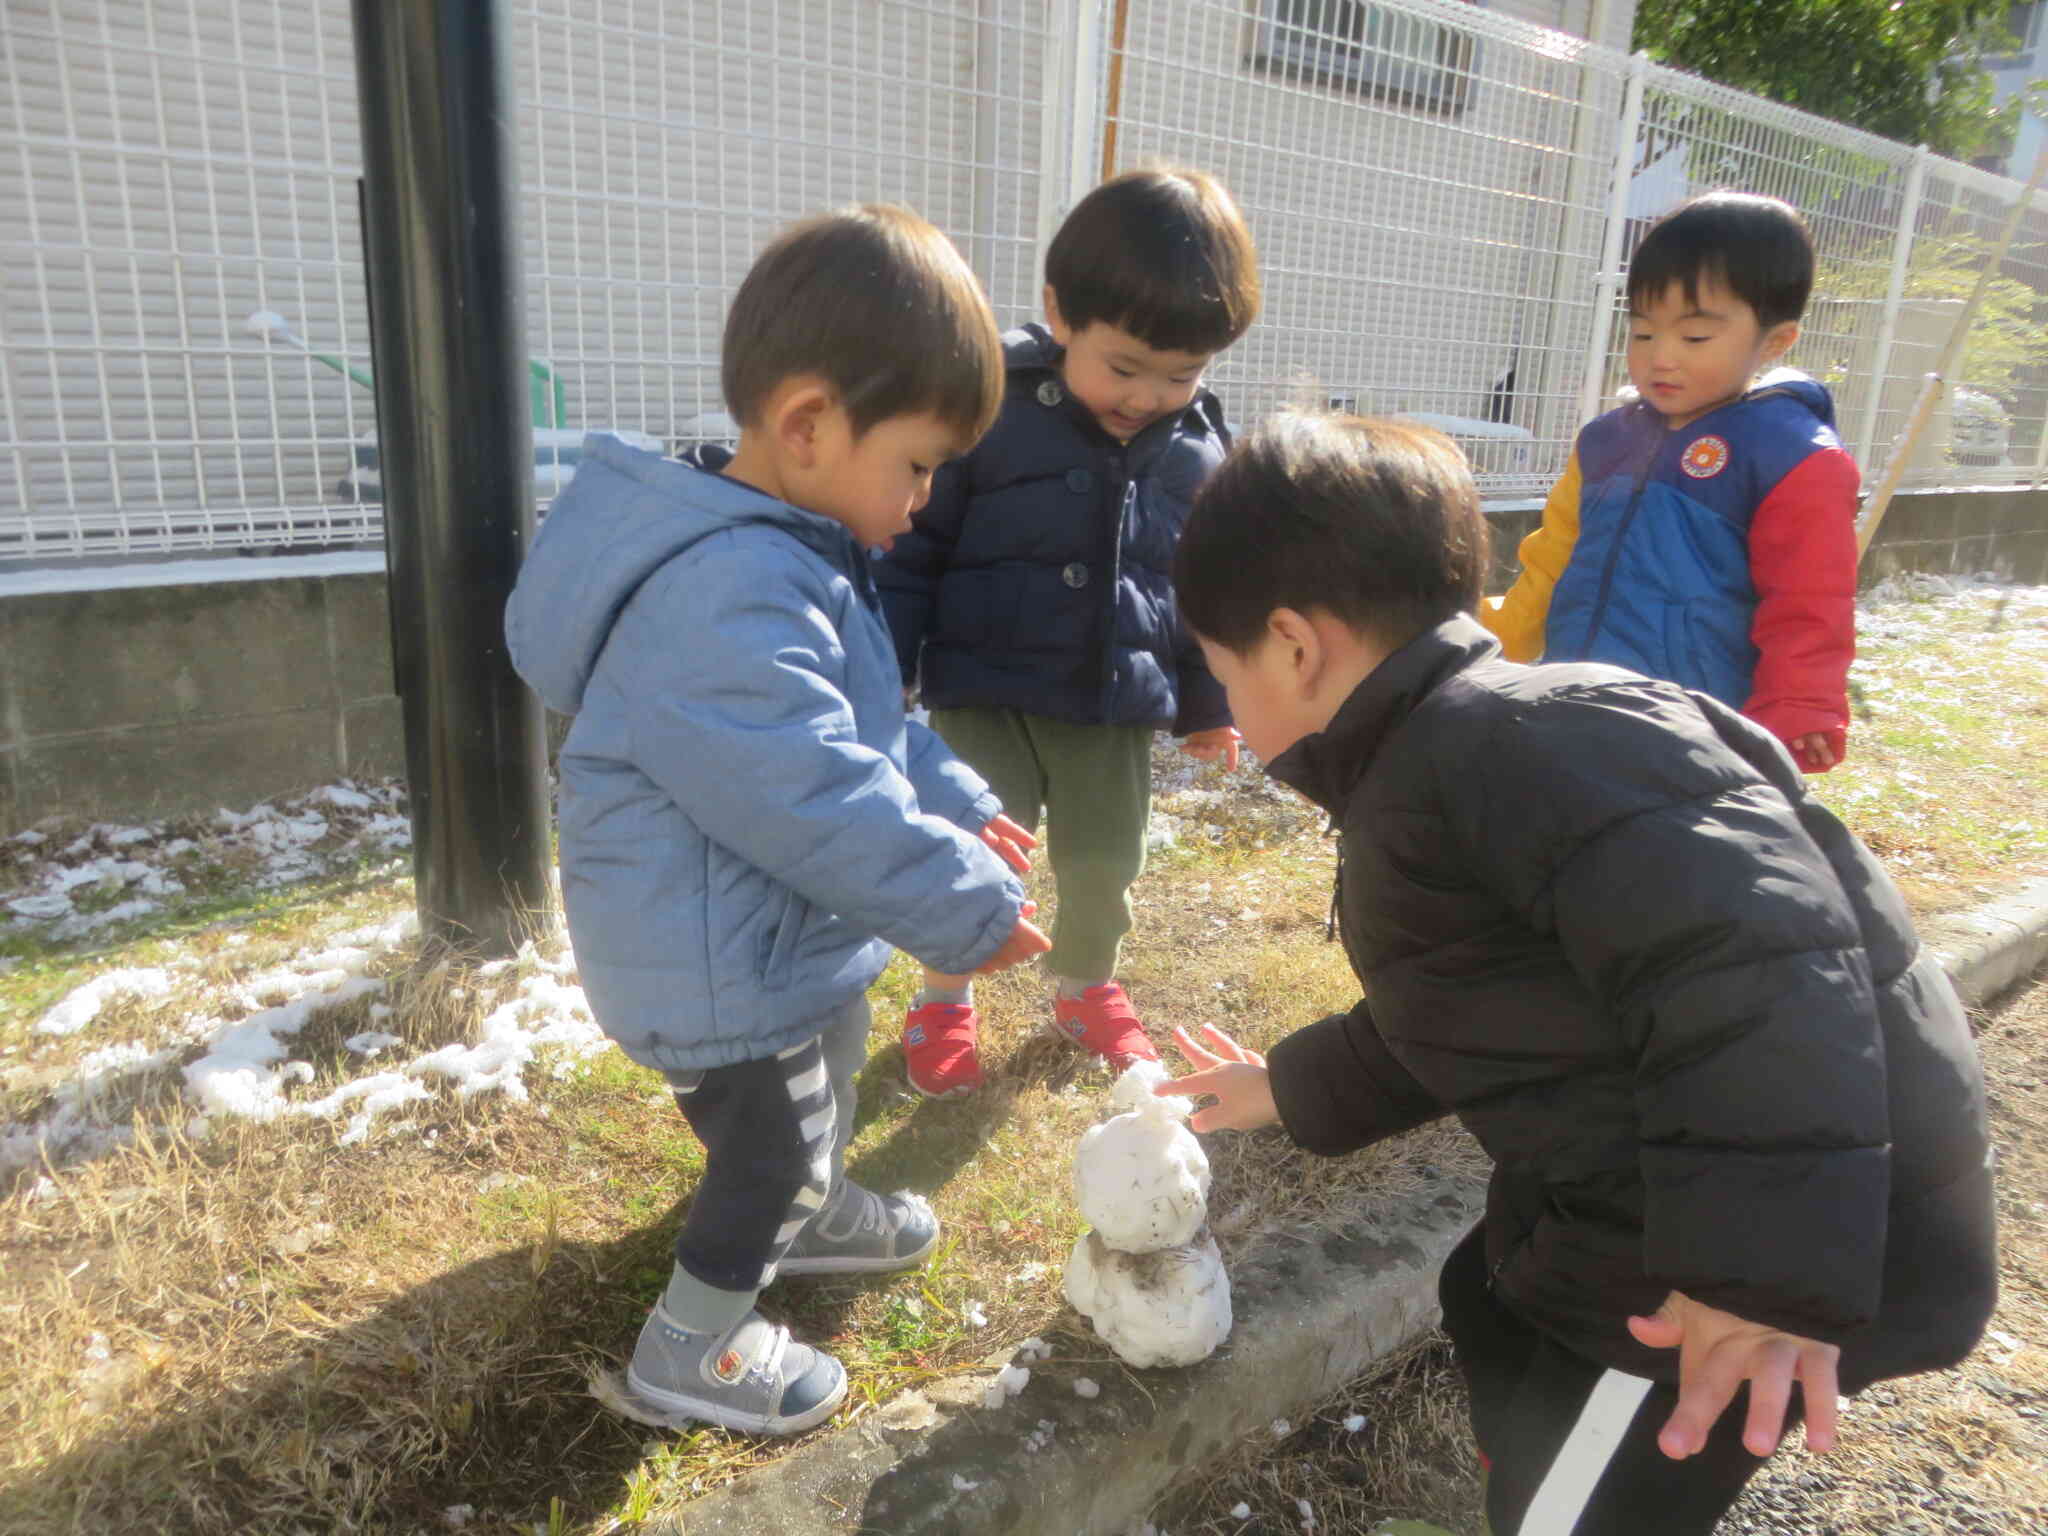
[
  {"x": 1741, "y": 1161},
  {"x": 1032, "y": 600}
]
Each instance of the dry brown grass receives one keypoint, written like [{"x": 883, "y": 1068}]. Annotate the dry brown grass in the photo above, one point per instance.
[
  {"x": 271, "y": 1330},
  {"x": 1947, "y": 777}
]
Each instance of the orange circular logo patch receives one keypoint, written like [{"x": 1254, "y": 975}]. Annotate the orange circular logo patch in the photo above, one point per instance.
[{"x": 1706, "y": 458}]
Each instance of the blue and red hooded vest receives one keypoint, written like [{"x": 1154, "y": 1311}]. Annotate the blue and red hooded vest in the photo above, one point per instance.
[{"x": 1721, "y": 556}]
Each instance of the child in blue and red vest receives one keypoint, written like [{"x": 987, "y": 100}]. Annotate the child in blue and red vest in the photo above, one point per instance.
[{"x": 1706, "y": 531}]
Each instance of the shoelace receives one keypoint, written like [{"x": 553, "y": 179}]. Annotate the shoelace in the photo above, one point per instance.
[{"x": 874, "y": 1216}]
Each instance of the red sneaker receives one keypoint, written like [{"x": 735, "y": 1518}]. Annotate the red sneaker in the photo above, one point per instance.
[
  {"x": 1102, "y": 1020},
  {"x": 939, "y": 1056}
]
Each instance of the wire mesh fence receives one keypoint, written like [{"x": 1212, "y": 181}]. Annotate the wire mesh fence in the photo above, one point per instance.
[{"x": 1445, "y": 195}]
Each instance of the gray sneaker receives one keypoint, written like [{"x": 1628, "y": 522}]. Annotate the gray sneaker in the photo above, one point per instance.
[
  {"x": 863, "y": 1233},
  {"x": 752, "y": 1377}
]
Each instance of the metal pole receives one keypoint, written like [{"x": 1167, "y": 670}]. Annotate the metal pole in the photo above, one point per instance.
[
  {"x": 988, "y": 87},
  {"x": 1894, "y": 295},
  {"x": 2040, "y": 458},
  {"x": 1066, "y": 136},
  {"x": 1113, "y": 110},
  {"x": 1609, "y": 279},
  {"x": 455, "y": 442}
]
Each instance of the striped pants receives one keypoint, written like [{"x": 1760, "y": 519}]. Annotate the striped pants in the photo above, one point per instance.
[
  {"x": 1572, "y": 1445},
  {"x": 774, "y": 1134}
]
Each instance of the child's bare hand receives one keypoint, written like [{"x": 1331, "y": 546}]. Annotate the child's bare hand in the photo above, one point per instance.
[
  {"x": 1010, "y": 842},
  {"x": 1025, "y": 941},
  {"x": 1813, "y": 753},
  {"x": 1235, "y": 1077},
  {"x": 1207, "y": 746},
  {"x": 1717, "y": 1353}
]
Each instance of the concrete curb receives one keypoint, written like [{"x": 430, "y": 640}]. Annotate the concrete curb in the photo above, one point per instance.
[
  {"x": 1993, "y": 946},
  {"x": 1314, "y": 1308}
]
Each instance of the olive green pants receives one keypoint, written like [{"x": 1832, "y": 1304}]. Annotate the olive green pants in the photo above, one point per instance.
[{"x": 1092, "y": 784}]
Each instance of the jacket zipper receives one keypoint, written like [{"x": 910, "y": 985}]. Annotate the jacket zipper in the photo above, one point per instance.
[
  {"x": 1119, "y": 493},
  {"x": 1336, "y": 885},
  {"x": 1628, "y": 516}
]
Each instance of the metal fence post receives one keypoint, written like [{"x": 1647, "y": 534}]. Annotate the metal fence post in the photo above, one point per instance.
[
  {"x": 1609, "y": 276},
  {"x": 1894, "y": 294},
  {"x": 1072, "y": 110},
  {"x": 455, "y": 440}
]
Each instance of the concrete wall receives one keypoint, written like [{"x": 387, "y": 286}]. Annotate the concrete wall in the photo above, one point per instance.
[{"x": 135, "y": 702}]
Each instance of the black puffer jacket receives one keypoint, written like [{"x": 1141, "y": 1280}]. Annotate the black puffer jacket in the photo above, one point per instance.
[
  {"x": 1039, "y": 575},
  {"x": 1601, "y": 919}
]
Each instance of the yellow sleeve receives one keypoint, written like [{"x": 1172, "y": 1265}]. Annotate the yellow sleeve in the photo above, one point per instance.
[{"x": 1517, "y": 619}]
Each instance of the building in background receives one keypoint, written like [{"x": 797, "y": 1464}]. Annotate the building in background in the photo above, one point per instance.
[{"x": 2013, "y": 72}]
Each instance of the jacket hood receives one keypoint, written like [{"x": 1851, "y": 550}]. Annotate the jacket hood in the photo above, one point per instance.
[
  {"x": 1793, "y": 384},
  {"x": 1030, "y": 349},
  {"x": 1329, "y": 764},
  {"x": 627, "y": 513},
  {"x": 1030, "y": 346}
]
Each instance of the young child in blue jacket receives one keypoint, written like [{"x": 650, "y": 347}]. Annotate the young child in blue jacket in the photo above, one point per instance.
[
  {"x": 1033, "y": 599},
  {"x": 748, "y": 822}
]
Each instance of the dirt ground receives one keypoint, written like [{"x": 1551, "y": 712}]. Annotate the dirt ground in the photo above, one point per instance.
[{"x": 1958, "y": 1453}]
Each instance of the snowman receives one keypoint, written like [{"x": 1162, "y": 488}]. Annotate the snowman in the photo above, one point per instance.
[{"x": 1148, "y": 1275}]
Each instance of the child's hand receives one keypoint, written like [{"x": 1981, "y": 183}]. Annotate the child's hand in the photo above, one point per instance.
[
  {"x": 1717, "y": 1353},
  {"x": 1207, "y": 746},
  {"x": 1010, "y": 842},
  {"x": 1234, "y": 1076},
  {"x": 1813, "y": 753},
  {"x": 1025, "y": 940}
]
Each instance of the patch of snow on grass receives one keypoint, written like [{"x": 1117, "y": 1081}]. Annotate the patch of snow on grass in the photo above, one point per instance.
[{"x": 79, "y": 1008}]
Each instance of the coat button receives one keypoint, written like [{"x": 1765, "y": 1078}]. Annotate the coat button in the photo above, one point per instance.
[
  {"x": 1075, "y": 575},
  {"x": 1050, "y": 393},
  {"x": 1078, "y": 481}
]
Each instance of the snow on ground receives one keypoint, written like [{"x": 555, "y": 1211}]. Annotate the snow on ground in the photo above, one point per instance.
[
  {"x": 72, "y": 886},
  {"x": 238, "y": 1062},
  {"x": 232, "y": 1055},
  {"x": 1898, "y": 623}
]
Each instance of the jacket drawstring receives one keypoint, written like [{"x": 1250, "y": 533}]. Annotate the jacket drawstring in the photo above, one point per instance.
[{"x": 1336, "y": 886}]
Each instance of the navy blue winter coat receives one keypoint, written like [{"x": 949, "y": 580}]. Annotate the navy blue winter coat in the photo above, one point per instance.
[{"x": 1039, "y": 576}]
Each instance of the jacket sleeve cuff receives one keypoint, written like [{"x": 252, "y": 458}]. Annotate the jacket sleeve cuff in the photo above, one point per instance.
[
  {"x": 1202, "y": 708},
  {"x": 1337, "y": 1089},
  {"x": 1792, "y": 1240},
  {"x": 945, "y": 786},
  {"x": 1788, "y": 721}
]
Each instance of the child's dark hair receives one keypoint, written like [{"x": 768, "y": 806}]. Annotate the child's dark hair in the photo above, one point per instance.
[
  {"x": 880, "y": 305},
  {"x": 1378, "y": 522},
  {"x": 1163, "y": 254},
  {"x": 1756, "y": 247}
]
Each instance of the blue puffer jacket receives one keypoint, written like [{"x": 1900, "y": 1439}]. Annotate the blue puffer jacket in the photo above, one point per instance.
[
  {"x": 747, "y": 820},
  {"x": 1039, "y": 576}
]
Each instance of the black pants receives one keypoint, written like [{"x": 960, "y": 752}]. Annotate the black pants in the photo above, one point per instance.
[
  {"x": 1572, "y": 1445},
  {"x": 774, "y": 1134}
]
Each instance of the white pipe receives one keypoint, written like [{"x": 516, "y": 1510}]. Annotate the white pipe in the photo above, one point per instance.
[
  {"x": 1894, "y": 294},
  {"x": 1617, "y": 223}
]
